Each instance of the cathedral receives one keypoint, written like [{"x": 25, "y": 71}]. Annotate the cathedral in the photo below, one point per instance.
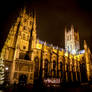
[{"x": 24, "y": 54}]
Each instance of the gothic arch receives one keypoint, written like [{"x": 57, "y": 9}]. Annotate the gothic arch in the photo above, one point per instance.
[
  {"x": 46, "y": 62},
  {"x": 83, "y": 71},
  {"x": 54, "y": 67},
  {"x": 36, "y": 59},
  {"x": 54, "y": 64},
  {"x": 46, "y": 67},
  {"x": 61, "y": 64},
  {"x": 27, "y": 56},
  {"x": 23, "y": 79},
  {"x": 36, "y": 67}
]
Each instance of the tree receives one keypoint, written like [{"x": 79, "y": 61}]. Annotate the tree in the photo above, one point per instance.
[{"x": 1, "y": 71}]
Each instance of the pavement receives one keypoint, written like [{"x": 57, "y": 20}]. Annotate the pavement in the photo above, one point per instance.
[{"x": 83, "y": 87}]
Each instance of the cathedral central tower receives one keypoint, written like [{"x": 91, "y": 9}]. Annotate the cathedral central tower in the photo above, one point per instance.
[{"x": 71, "y": 40}]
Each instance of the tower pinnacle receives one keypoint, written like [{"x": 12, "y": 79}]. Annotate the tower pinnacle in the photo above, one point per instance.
[{"x": 34, "y": 21}]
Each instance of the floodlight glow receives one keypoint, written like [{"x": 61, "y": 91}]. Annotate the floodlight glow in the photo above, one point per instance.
[
  {"x": 73, "y": 52},
  {"x": 6, "y": 68},
  {"x": 82, "y": 51}
]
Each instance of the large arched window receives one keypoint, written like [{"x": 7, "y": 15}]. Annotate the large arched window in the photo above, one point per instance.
[
  {"x": 46, "y": 67},
  {"x": 54, "y": 65},
  {"x": 54, "y": 68},
  {"x": 36, "y": 73},
  {"x": 83, "y": 72},
  {"x": 61, "y": 66}
]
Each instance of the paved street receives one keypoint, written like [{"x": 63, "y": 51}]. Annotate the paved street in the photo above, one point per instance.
[{"x": 29, "y": 88}]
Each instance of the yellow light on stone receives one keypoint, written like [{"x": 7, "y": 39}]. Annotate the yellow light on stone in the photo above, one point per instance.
[{"x": 66, "y": 54}]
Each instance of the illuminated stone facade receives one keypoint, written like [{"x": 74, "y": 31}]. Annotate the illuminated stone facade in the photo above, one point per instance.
[{"x": 24, "y": 54}]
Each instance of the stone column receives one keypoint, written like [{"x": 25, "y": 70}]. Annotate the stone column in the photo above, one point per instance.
[
  {"x": 87, "y": 56},
  {"x": 12, "y": 72},
  {"x": 66, "y": 73},
  {"x": 43, "y": 72},
  {"x": 75, "y": 66},
  {"x": 88, "y": 67},
  {"x": 71, "y": 74},
  {"x": 79, "y": 70}
]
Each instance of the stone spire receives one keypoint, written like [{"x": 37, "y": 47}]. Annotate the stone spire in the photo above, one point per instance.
[{"x": 34, "y": 21}]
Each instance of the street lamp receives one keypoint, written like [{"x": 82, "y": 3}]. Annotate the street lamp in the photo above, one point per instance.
[{"x": 6, "y": 68}]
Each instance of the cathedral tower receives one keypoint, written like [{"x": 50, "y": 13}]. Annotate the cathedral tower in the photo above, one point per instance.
[
  {"x": 71, "y": 40},
  {"x": 33, "y": 45},
  {"x": 18, "y": 44},
  {"x": 18, "y": 38}
]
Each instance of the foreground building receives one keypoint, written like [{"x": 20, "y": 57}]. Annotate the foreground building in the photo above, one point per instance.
[{"x": 24, "y": 54}]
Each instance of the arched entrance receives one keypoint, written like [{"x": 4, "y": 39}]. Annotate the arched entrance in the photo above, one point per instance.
[{"x": 22, "y": 79}]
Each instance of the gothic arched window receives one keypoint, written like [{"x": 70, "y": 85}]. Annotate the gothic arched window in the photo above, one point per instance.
[
  {"x": 46, "y": 67},
  {"x": 36, "y": 60},
  {"x": 24, "y": 36},
  {"x": 60, "y": 66},
  {"x": 27, "y": 56},
  {"x": 54, "y": 64},
  {"x": 83, "y": 72},
  {"x": 54, "y": 68}
]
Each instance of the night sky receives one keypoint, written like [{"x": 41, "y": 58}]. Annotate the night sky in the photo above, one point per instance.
[{"x": 52, "y": 17}]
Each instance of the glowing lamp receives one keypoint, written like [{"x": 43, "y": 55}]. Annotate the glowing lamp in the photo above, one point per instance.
[{"x": 6, "y": 68}]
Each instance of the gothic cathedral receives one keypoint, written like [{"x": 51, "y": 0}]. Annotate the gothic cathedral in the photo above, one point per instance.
[{"x": 24, "y": 54}]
